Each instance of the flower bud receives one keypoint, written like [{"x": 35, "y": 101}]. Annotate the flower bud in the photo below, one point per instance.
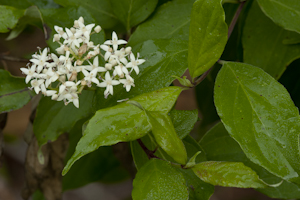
[
  {"x": 76, "y": 24},
  {"x": 56, "y": 38},
  {"x": 97, "y": 29},
  {"x": 81, "y": 19},
  {"x": 73, "y": 30},
  {"x": 108, "y": 66},
  {"x": 62, "y": 78},
  {"x": 82, "y": 49},
  {"x": 83, "y": 82},
  {"x": 79, "y": 62},
  {"x": 128, "y": 50},
  {"x": 73, "y": 76},
  {"x": 54, "y": 97}
]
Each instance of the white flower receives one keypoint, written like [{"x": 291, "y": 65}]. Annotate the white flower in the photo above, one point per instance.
[
  {"x": 35, "y": 84},
  {"x": 60, "y": 32},
  {"x": 72, "y": 97},
  {"x": 108, "y": 83},
  {"x": 72, "y": 39},
  {"x": 91, "y": 76},
  {"x": 115, "y": 41},
  {"x": 40, "y": 60},
  {"x": 30, "y": 72},
  {"x": 84, "y": 31},
  {"x": 120, "y": 70},
  {"x": 95, "y": 65},
  {"x": 135, "y": 63},
  {"x": 128, "y": 82},
  {"x": 108, "y": 52}
]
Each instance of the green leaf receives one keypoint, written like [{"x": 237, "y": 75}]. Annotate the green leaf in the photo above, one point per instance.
[
  {"x": 102, "y": 10},
  {"x": 208, "y": 35},
  {"x": 183, "y": 121},
  {"x": 165, "y": 135},
  {"x": 219, "y": 146},
  {"x": 198, "y": 190},
  {"x": 228, "y": 174},
  {"x": 263, "y": 43},
  {"x": 92, "y": 167},
  {"x": 259, "y": 114},
  {"x": 289, "y": 12},
  {"x": 291, "y": 38},
  {"x": 133, "y": 12},
  {"x": 158, "y": 180},
  {"x": 58, "y": 17},
  {"x": 54, "y": 118},
  {"x": 122, "y": 123},
  {"x": 171, "y": 20},
  {"x": 9, "y": 18},
  {"x": 164, "y": 58},
  {"x": 14, "y": 92},
  {"x": 31, "y": 16}
]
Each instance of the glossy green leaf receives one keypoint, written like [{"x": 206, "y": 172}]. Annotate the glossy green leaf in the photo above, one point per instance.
[
  {"x": 58, "y": 17},
  {"x": 102, "y": 10},
  {"x": 263, "y": 43},
  {"x": 171, "y": 20},
  {"x": 228, "y": 174},
  {"x": 9, "y": 18},
  {"x": 14, "y": 92},
  {"x": 289, "y": 12},
  {"x": 259, "y": 114},
  {"x": 122, "y": 123},
  {"x": 165, "y": 135},
  {"x": 164, "y": 58},
  {"x": 133, "y": 12},
  {"x": 208, "y": 35},
  {"x": 92, "y": 167},
  {"x": 219, "y": 146},
  {"x": 198, "y": 190},
  {"x": 17, "y": 4},
  {"x": 54, "y": 118},
  {"x": 158, "y": 180},
  {"x": 183, "y": 121}
]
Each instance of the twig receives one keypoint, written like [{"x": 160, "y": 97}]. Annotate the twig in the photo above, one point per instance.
[
  {"x": 235, "y": 18},
  {"x": 201, "y": 78},
  {"x": 230, "y": 29},
  {"x": 12, "y": 58},
  {"x": 149, "y": 153}
]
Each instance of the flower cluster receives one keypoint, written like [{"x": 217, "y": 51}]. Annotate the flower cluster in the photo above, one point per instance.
[{"x": 63, "y": 77}]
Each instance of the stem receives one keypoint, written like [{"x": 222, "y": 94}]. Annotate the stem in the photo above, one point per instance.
[
  {"x": 199, "y": 80},
  {"x": 11, "y": 58},
  {"x": 149, "y": 153},
  {"x": 235, "y": 18}
]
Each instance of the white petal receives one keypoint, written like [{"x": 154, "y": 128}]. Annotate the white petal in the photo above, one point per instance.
[{"x": 76, "y": 103}]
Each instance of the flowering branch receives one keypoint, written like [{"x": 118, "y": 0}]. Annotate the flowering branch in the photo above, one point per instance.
[{"x": 74, "y": 70}]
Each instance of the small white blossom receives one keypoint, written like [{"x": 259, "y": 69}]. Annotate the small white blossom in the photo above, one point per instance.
[
  {"x": 108, "y": 83},
  {"x": 115, "y": 41},
  {"x": 135, "y": 63},
  {"x": 128, "y": 82}
]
